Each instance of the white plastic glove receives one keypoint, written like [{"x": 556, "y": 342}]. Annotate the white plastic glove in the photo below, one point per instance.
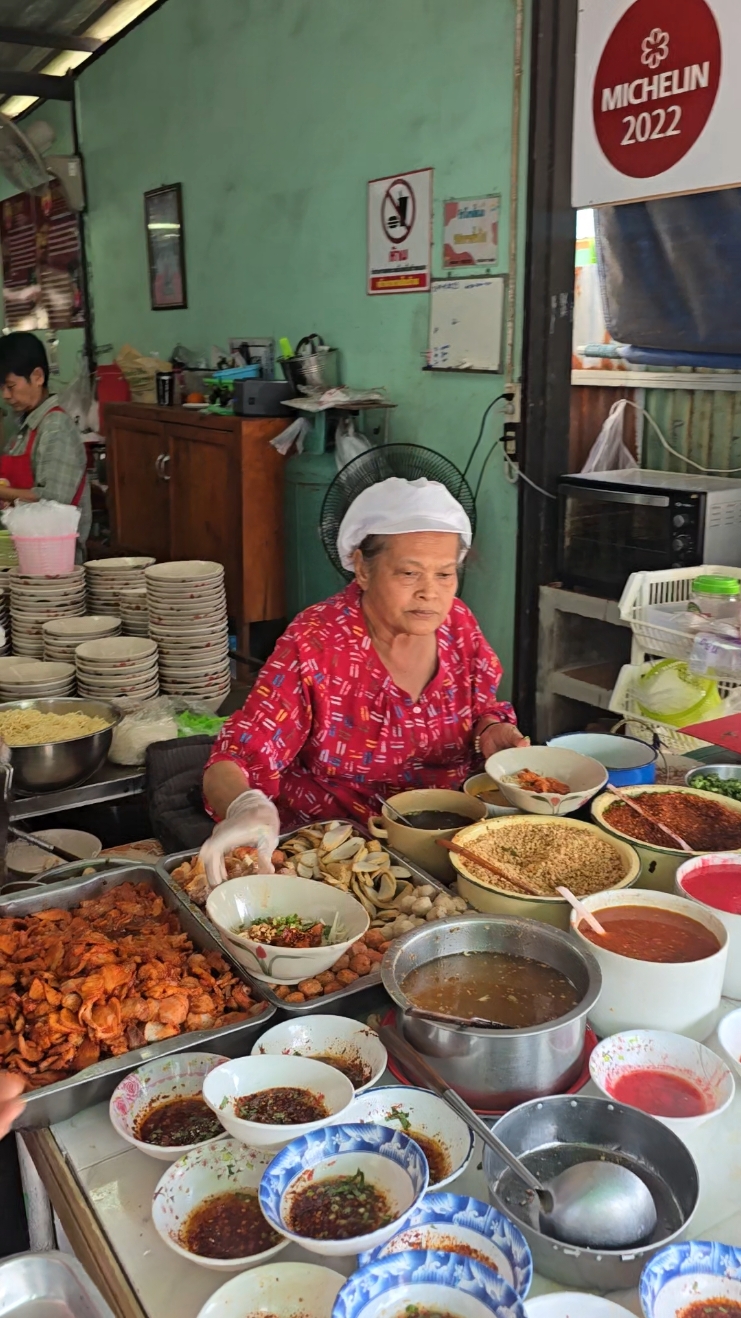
[{"x": 251, "y": 821}]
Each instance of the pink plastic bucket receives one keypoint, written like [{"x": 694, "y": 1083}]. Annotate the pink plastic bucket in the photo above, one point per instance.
[{"x": 45, "y": 556}]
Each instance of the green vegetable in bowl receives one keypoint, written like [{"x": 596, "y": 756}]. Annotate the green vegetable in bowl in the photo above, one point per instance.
[{"x": 710, "y": 782}]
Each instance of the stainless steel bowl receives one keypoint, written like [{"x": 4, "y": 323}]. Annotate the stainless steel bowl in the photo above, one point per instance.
[
  {"x": 723, "y": 771},
  {"x": 496, "y": 1069},
  {"x": 54, "y": 765},
  {"x": 554, "y": 1133}
]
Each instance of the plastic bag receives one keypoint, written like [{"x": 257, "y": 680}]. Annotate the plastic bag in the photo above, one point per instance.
[
  {"x": 162, "y": 719},
  {"x": 669, "y": 693},
  {"x": 77, "y": 398},
  {"x": 295, "y": 433},
  {"x": 140, "y": 371},
  {"x": 349, "y": 442},
  {"x": 608, "y": 452},
  {"x": 44, "y": 519}
]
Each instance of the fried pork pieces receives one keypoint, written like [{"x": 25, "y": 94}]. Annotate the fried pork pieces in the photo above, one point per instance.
[{"x": 110, "y": 975}]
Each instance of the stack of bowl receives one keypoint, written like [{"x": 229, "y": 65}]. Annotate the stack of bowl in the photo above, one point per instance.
[
  {"x": 117, "y": 666},
  {"x": 132, "y": 605},
  {"x": 61, "y": 636},
  {"x": 106, "y": 577},
  {"x": 188, "y": 620},
  {"x": 29, "y": 679},
  {"x": 33, "y": 600}
]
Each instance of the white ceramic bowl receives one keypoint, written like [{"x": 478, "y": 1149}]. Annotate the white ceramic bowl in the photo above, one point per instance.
[
  {"x": 240, "y": 902},
  {"x": 427, "y": 1282},
  {"x": 25, "y": 858},
  {"x": 117, "y": 650},
  {"x": 657, "y": 1050},
  {"x": 647, "y": 995},
  {"x": 321, "y": 1036},
  {"x": 417, "y": 1112},
  {"x": 95, "y": 627},
  {"x": 574, "y": 1304},
  {"x": 210, "y": 1169},
  {"x": 277, "y": 1290},
  {"x": 688, "y": 1272},
  {"x": 178, "y": 1076},
  {"x": 249, "y": 1075},
  {"x": 185, "y": 570},
  {"x": 732, "y": 922},
  {"x": 729, "y": 1034},
  {"x": 584, "y": 776},
  {"x": 390, "y": 1161}
]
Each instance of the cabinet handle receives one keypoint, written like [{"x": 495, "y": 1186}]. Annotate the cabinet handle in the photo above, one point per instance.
[
  {"x": 165, "y": 460},
  {"x": 158, "y": 464}
]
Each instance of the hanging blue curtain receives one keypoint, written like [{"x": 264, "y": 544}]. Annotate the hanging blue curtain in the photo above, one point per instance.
[{"x": 670, "y": 272}]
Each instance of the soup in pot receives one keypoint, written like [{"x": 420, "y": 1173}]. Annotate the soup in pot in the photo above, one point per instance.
[{"x": 512, "y": 990}]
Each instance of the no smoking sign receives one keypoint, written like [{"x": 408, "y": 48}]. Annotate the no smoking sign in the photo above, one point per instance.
[{"x": 658, "y": 98}]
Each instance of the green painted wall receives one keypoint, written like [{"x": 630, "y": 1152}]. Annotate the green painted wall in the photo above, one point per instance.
[{"x": 273, "y": 114}]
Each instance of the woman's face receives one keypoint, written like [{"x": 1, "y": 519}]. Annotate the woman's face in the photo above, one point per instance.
[{"x": 411, "y": 583}]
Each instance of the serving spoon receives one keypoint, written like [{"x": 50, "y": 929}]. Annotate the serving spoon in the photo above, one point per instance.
[
  {"x": 402, "y": 819},
  {"x": 581, "y": 910},
  {"x": 597, "y": 1205}
]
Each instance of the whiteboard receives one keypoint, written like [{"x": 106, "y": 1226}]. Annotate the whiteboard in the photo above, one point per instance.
[{"x": 466, "y": 318}]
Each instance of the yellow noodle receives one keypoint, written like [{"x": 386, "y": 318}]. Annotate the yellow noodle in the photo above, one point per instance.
[{"x": 32, "y": 727}]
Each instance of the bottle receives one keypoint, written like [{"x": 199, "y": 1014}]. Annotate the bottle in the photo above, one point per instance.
[{"x": 714, "y": 605}]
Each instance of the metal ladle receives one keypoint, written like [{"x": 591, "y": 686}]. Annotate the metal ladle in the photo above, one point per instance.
[{"x": 597, "y": 1205}]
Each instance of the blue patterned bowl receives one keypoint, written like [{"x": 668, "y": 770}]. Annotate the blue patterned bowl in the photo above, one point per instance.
[
  {"x": 388, "y": 1159},
  {"x": 445, "y": 1283},
  {"x": 688, "y": 1272},
  {"x": 453, "y": 1223}
]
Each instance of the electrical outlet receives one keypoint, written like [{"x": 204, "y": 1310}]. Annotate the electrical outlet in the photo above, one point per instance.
[
  {"x": 513, "y": 405},
  {"x": 510, "y": 439}
]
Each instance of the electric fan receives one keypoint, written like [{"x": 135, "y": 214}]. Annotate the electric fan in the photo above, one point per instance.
[{"x": 407, "y": 461}]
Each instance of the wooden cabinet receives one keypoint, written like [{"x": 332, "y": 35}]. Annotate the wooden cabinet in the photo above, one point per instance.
[{"x": 198, "y": 486}]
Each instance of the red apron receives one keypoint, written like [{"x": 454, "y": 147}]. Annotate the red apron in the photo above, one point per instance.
[{"x": 18, "y": 470}]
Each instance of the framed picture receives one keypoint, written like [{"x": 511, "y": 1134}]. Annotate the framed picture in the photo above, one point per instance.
[{"x": 163, "y": 217}]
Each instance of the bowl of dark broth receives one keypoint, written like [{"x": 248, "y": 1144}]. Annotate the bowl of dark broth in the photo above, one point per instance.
[
  {"x": 432, "y": 813},
  {"x": 533, "y": 982}
]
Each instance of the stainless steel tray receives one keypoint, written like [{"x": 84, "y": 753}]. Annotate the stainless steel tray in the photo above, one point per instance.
[
  {"x": 57, "y": 1102},
  {"x": 61, "y": 877},
  {"x": 49, "y": 1285},
  {"x": 332, "y": 1000}
]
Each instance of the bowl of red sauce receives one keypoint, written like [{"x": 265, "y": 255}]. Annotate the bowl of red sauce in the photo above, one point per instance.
[
  {"x": 677, "y": 1080},
  {"x": 715, "y": 882},
  {"x": 663, "y": 961}
]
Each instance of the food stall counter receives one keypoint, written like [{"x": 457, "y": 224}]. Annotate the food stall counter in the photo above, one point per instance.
[{"x": 101, "y": 1189}]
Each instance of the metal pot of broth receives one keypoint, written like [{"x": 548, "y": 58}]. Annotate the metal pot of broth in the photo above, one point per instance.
[{"x": 529, "y": 976}]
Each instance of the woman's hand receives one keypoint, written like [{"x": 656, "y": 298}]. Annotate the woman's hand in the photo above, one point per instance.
[
  {"x": 11, "y": 1106},
  {"x": 251, "y": 821},
  {"x": 501, "y": 737}
]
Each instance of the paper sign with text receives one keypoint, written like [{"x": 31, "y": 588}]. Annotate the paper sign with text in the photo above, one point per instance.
[
  {"x": 658, "y": 99},
  {"x": 400, "y": 233},
  {"x": 471, "y": 231}
]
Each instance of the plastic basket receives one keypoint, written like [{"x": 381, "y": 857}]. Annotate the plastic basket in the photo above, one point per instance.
[
  {"x": 45, "y": 556},
  {"x": 623, "y": 701},
  {"x": 644, "y": 595}
]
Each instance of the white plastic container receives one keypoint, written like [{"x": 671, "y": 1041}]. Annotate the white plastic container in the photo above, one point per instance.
[
  {"x": 732, "y": 980},
  {"x": 656, "y": 995}
]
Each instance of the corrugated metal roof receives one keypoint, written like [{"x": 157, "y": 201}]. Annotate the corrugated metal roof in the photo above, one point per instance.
[{"x": 703, "y": 423}]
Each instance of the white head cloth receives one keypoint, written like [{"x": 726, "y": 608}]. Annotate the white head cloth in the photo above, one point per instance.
[{"x": 398, "y": 507}]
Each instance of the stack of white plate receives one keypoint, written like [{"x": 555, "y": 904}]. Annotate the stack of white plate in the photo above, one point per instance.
[
  {"x": 32, "y": 679},
  {"x": 117, "y": 666},
  {"x": 187, "y": 619},
  {"x": 34, "y": 600},
  {"x": 106, "y": 577},
  {"x": 61, "y": 636},
  {"x": 132, "y": 605},
  {"x": 5, "y": 612}
]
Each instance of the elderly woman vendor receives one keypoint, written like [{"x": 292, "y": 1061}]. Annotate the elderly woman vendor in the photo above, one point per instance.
[{"x": 387, "y": 686}]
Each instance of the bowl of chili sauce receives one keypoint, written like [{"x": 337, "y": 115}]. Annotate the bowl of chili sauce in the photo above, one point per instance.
[
  {"x": 344, "y": 1189},
  {"x": 267, "y": 1101},
  {"x": 206, "y": 1207},
  {"x": 692, "y": 1279},
  {"x": 714, "y": 881},
  {"x": 663, "y": 961},
  {"x": 160, "y": 1108},
  {"x": 673, "y": 1078}
]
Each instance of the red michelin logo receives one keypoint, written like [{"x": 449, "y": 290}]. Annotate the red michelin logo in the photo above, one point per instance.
[{"x": 656, "y": 84}]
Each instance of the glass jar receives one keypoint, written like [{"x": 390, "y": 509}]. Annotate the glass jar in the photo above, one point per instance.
[{"x": 714, "y": 605}]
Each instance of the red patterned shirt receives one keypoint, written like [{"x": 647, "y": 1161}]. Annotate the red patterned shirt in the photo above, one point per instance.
[{"x": 326, "y": 727}]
